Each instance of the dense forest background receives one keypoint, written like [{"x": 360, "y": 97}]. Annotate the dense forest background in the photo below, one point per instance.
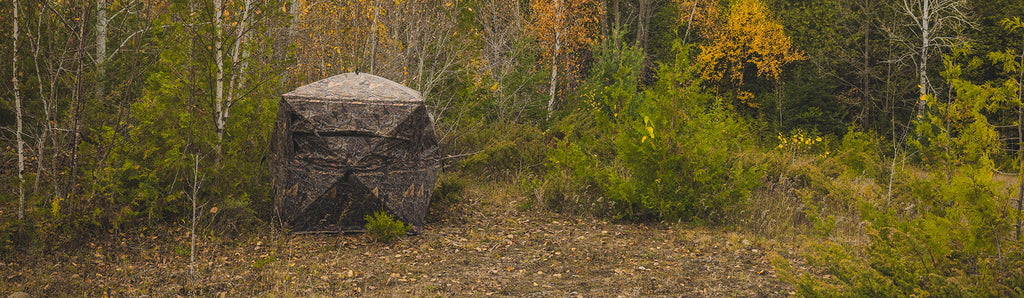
[{"x": 896, "y": 121}]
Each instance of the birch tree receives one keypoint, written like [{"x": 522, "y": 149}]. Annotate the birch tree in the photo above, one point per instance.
[
  {"x": 101, "y": 46},
  {"x": 563, "y": 26},
  {"x": 52, "y": 47},
  {"x": 18, "y": 120},
  {"x": 935, "y": 25},
  {"x": 557, "y": 18},
  {"x": 699, "y": 14},
  {"x": 237, "y": 67},
  {"x": 218, "y": 11}
]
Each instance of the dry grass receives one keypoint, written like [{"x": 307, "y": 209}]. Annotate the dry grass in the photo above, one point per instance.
[
  {"x": 486, "y": 244},
  {"x": 810, "y": 197}
]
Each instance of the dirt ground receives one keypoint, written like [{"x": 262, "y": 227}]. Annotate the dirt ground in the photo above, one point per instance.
[{"x": 484, "y": 245}]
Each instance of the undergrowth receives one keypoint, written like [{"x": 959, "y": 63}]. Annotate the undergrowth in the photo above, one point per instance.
[{"x": 383, "y": 227}]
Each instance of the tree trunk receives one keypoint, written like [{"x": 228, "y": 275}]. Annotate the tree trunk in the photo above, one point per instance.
[
  {"x": 689, "y": 22},
  {"x": 643, "y": 24},
  {"x": 780, "y": 101},
  {"x": 373, "y": 37},
  {"x": 239, "y": 64},
  {"x": 18, "y": 116},
  {"x": 1020, "y": 172},
  {"x": 76, "y": 96},
  {"x": 218, "y": 11},
  {"x": 48, "y": 130},
  {"x": 101, "y": 47},
  {"x": 293, "y": 31},
  {"x": 925, "y": 43},
  {"x": 195, "y": 218},
  {"x": 1020, "y": 145},
  {"x": 559, "y": 19},
  {"x": 618, "y": 23},
  {"x": 554, "y": 72},
  {"x": 40, "y": 142}
]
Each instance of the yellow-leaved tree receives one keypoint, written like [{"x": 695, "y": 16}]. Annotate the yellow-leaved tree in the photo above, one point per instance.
[
  {"x": 698, "y": 14},
  {"x": 563, "y": 27},
  {"x": 746, "y": 36}
]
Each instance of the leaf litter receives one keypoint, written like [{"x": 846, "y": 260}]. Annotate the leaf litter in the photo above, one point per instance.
[{"x": 482, "y": 245}]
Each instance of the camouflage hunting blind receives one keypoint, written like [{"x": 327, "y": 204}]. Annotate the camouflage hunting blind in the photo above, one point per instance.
[{"x": 350, "y": 145}]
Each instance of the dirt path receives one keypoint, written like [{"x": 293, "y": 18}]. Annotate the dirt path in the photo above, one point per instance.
[{"x": 479, "y": 247}]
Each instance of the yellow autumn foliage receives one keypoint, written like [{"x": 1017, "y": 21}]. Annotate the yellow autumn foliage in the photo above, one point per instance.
[
  {"x": 747, "y": 34},
  {"x": 700, "y": 15},
  {"x": 571, "y": 24}
]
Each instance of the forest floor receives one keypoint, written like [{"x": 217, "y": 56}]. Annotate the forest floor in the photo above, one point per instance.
[{"x": 486, "y": 244}]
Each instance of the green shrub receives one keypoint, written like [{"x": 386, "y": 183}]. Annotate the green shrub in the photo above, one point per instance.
[
  {"x": 859, "y": 155},
  {"x": 673, "y": 151},
  {"x": 960, "y": 246},
  {"x": 945, "y": 232},
  {"x": 382, "y": 227},
  {"x": 581, "y": 164}
]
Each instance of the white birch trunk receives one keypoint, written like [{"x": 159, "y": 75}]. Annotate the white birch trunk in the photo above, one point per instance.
[
  {"x": 940, "y": 23},
  {"x": 218, "y": 8},
  {"x": 689, "y": 22},
  {"x": 554, "y": 56},
  {"x": 554, "y": 73},
  {"x": 238, "y": 75},
  {"x": 18, "y": 113},
  {"x": 196, "y": 184},
  {"x": 101, "y": 47},
  {"x": 373, "y": 37},
  {"x": 925, "y": 43}
]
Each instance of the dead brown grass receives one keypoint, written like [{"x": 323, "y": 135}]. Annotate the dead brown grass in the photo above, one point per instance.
[{"x": 486, "y": 244}]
